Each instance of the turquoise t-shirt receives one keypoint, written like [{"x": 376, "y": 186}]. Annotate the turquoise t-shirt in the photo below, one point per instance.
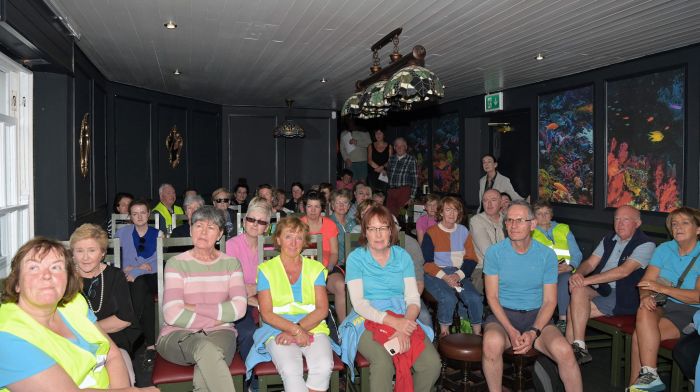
[
  {"x": 20, "y": 359},
  {"x": 521, "y": 277},
  {"x": 380, "y": 282},
  {"x": 671, "y": 264}
]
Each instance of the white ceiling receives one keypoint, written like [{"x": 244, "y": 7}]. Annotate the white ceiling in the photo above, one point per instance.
[{"x": 257, "y": 52}]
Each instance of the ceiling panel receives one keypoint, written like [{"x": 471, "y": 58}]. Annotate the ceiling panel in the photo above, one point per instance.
[{"x": 242, "y": 52}]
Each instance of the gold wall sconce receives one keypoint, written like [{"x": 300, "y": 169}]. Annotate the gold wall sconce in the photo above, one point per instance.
[
  {"x": 173, "y": 144},
  {"x": 84, "y": 144}
]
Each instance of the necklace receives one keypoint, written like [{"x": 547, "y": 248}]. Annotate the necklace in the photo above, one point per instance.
[{"x": 102, "y": 293}]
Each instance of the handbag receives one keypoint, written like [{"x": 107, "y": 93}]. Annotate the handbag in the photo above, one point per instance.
[{"x": 661, "y": 298}]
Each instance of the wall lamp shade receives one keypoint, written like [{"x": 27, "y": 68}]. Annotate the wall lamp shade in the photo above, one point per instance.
[
  {"x": 412, "y": 84},
  {"x": 289, "y": 128}
]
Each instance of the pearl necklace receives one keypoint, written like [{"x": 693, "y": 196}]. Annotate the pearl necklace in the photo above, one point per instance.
[{"x": 102, "y": 293}]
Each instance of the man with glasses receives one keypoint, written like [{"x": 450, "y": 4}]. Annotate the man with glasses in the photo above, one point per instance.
[
  {"x": 486, "y": 229},
  {"x": 521, "y": 290},
  {"x": 605, "y": 284}
]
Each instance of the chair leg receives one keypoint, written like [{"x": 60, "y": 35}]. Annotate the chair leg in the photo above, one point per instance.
[
  {"x": 677, "y": 378},
  {"x": 617, "y": 351},
  {"x": 262, "y": 384},
  {"x": 364, "y": 379},
  {"x": 238, "y": 382},
  {"x": 335, "y": 381},
  {"x": 519, "y": 374},
  {"x": 443, "y": 373},
  {"x": 466, "y": 387},
  {"x": 628, "y": 359}
]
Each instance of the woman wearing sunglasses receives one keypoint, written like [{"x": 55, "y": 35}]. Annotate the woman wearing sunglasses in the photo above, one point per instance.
[
  {"x": 221, "y": 198},
  {"x": 105, "y": 289},
  {"x": 244, "y": 247}
]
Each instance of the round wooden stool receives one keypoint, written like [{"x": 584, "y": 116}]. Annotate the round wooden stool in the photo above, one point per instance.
[
  {"x": 466, "y": 350},
  {"x": 519, "y": 380}
]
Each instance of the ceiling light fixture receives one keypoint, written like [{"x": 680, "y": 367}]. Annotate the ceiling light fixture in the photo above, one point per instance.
[
  {"x": 323, "y": 80},
  {"x": 402, "y": 83},
  {"x": 539, "y": 57},
  {"x": 170, "y": 25},
  {"x": 177, "y": 72},
  {"x": 289, "y": 128}
]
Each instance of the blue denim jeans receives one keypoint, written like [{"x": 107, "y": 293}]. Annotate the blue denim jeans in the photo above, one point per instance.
[
  {"x": 470, "y": 307},
  {"x": 563, "y": 296}
]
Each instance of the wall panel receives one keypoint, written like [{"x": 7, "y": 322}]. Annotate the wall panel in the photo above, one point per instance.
[
  {"x": 132, "y": 133},
  {"x": 204, "y": 152}
]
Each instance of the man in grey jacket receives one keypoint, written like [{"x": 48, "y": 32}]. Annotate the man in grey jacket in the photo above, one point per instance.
[{"x": 486, "y": 229}]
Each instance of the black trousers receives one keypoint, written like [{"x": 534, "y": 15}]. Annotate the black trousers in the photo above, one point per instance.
[
  {"x": 144, "y": 290},
  {"x": 686, "y": 354}
]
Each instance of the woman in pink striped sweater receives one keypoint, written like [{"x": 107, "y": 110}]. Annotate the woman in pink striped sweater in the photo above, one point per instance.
[{"x": 204, "y": 295}]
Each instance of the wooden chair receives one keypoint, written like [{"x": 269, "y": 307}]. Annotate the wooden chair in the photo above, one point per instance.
[
  {"x": 121, "y": 220},
  {"x": 113, "y": 256},
  {"x": 266, "y": 248},
  {"x": 178, "y": 220},
  {"x": 612, "y": 328},
  {"x": 167, "y": 375}
]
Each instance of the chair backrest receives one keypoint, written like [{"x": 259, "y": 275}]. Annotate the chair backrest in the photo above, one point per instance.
[
  {"x": 113, "y": 256},
  {"x": 179, "y": 219},
  {"x": 166, "y": 248},
  {"x": 121, "y": 220},
  {"x": 352, "y": 241},
  {"x": 236, "y": 208},
  {"x": 266, "y": 248}
]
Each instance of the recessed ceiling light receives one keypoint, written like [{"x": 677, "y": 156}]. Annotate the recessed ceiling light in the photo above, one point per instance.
[
  {"x": 170, "y": 25},
  {"x": 323, "y": 80},
  {"x": 539, "y": 57},
  {"x": 177, "y": 72}
]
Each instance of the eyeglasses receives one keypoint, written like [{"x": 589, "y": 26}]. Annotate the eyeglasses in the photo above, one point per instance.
[
  {"x": 222, "y": 200},
  {"x": 378, "y": 230},
  {"x": 517, "y": 221},
  {"x": 142, "y": 244},
  {"x": 258, "y": 221}
]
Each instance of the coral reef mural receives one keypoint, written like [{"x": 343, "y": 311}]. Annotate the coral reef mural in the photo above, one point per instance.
[
  {"x": 417, "y": 140},
  {"x": 645, "y": 141},
  {"x": 565, "y": 145},
  {"x": 446, "y": 154}
]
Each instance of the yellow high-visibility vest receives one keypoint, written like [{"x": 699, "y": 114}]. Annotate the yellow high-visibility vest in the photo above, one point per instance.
[
  {"x": 560, "y": 244},
  {"x": 87, "y": 370},
  {"x": 163, "y": 211},
  {"x": 282, "y": 297}
]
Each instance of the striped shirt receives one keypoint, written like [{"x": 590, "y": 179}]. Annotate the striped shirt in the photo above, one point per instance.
[
  {"x": 402, "y": 172},
  {"x": 215, "y": 288}
]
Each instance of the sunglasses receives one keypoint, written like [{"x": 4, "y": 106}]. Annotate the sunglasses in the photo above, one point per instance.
[
  {"x": 258, "y": 221},
  {"x": 142, "y": 244},
  {"x": 222, "y": 200}
]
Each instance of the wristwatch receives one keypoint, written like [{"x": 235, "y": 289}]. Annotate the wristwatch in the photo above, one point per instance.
[{"x": 536, "y": 330}]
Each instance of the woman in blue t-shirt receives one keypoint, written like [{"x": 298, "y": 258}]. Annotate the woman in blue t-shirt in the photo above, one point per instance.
[
  {"x": 380, "y": 277},
  {"x": 665, "y": 311}
]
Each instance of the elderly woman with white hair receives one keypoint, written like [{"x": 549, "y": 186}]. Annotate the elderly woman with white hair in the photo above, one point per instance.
[
  {"x": 191, "y": 204},
  {"x": 244, "y": 247}
]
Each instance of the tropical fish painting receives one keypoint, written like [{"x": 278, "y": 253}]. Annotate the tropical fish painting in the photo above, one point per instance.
[
  {"x": 446, "y": 154},
  {"x": 565, "y": 145},
  {"x": 645, "y": 150}
]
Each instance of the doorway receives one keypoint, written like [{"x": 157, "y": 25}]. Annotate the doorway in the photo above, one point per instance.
[{"x": 510, "y": 143}]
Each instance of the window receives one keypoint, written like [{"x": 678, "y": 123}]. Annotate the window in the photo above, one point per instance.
[{"x": 16, "y": 170}]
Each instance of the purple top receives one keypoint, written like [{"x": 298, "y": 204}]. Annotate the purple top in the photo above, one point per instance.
[
  {"x": 238, "y": 248},
  {"x": 425, "y": 222}
]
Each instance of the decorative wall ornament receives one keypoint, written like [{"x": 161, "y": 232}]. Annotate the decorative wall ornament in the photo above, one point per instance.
[
  {"x": 174, "y": 143},
  {"x": 84, "y": 143}
]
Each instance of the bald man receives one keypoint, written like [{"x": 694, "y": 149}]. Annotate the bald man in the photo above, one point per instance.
[{"x": 605, "y": 284}]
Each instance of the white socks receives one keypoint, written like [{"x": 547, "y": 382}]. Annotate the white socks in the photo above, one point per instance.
[
  {"x": 647, "y": 369},
  {"x": 580, "y": 343}
]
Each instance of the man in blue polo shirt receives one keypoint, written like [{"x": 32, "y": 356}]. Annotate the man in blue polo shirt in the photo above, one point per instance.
[{"x": 520, "y": 278}]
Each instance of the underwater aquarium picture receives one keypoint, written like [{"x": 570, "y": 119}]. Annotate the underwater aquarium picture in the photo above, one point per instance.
[
  {"x": 446, "y": 154},
  {"x": 419, "y": 147},
  {"x": 565, "y": 146},
  {"x": 645, "y": 120}
]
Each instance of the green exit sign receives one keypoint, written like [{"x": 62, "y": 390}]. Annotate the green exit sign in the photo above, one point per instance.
[{"x": 493, "y": 102}]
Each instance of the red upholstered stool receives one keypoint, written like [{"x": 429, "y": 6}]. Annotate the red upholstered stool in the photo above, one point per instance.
[
  {"x": 615, "y": 330},
  {"x": 172, "y": 377},
  {"x": 519, "y": 380},
  {"x": 464, "y": 349},
  {"x": 267, "y": 374}
]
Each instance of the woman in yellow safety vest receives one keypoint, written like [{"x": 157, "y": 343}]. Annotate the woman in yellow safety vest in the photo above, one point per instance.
[
  {"x": 293, "y": 305},
  {"x": 560, "y": 239},
  {"x": 49, "y": 339}
]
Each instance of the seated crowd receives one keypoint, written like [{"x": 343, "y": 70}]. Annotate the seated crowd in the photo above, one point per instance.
[{"x": 514, "y": 275}]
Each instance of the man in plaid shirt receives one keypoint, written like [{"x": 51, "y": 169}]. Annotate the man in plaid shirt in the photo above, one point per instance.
[{"x": 403, "y": 178}]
